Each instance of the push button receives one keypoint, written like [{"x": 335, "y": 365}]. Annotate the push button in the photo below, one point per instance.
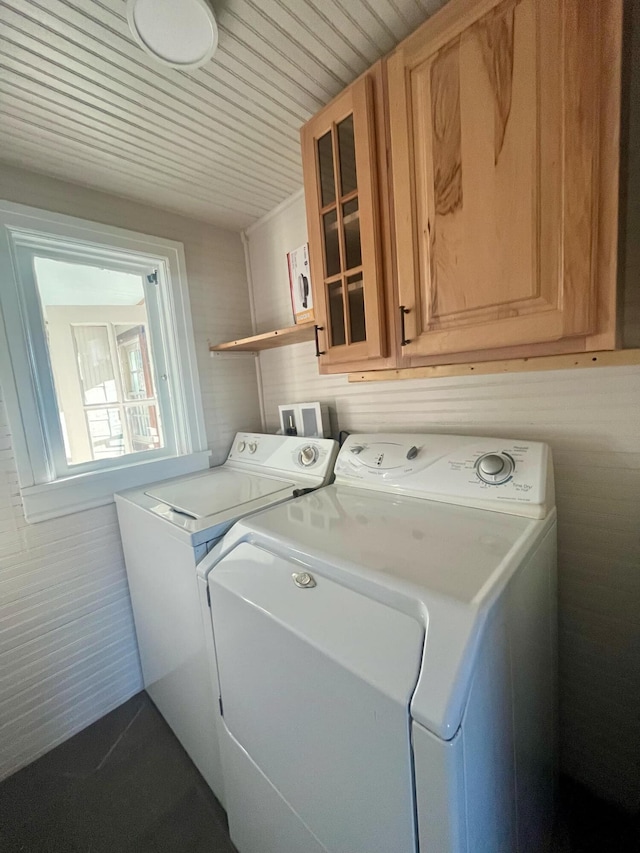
[
  {"x": 491, "y": 464},
  {"x": 494, "y": 468},
  {"x": 303, "y": 579}
]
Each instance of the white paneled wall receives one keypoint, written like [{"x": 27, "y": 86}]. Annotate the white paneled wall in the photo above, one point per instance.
[
  {"x": 67, "y": 645},
  {"x": 591, "y": 419},
  {"x": 269, "y": 240}
]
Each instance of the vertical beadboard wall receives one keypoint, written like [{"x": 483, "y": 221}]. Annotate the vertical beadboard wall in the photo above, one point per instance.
[
  {"x": 591, "y": 419},
  {"x": 67, "y": 645},
  {"x": 269, "y": 240}
]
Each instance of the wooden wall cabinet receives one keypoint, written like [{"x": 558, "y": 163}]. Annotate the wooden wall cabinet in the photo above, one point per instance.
[
  {"x": 486, "y": 149},
  {"x": 504, "y": 145},
  {"x": 344, "y": 163}
]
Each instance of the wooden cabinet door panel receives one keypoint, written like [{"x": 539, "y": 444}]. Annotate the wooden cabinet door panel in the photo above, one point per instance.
[
  {"x": 344, "y": 228},
  {"x": 494, "y": 111}
]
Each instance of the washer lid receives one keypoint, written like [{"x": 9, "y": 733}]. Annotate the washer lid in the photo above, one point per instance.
[{"x": 216, "y": 491}]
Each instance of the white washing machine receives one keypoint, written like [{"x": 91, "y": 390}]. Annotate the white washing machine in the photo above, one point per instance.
[
  {"x": 386, "y": 650},
  {"x": 167, "y": 529}
]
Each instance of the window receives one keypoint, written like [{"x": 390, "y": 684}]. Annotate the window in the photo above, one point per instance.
[
  {"x": 96, "y": 325},
  {"x": 101, "y": 371}
]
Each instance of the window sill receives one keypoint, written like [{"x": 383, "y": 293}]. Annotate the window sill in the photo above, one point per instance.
[{"x": 86, "y": 491}]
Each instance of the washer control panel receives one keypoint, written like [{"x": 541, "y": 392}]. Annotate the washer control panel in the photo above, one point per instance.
[
  {"x": 245, "y": 446},
  {"x": 511, "y": 476},
  {"x": 284, "y": 454}
]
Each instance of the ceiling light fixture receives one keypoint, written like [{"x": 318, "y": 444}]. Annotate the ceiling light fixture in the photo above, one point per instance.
[{"x": 179, "y": 33}]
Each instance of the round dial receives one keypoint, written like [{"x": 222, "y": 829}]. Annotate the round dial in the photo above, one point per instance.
[
  {"x": 308, "y": 455},
  {"x": 494, "y": 468},
  {"x": 253, "y": 447},
  {"x": 241, "y": 446}
]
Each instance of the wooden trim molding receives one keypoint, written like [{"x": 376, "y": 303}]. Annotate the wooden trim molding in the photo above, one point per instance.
[{"x": 606, "y": 358}]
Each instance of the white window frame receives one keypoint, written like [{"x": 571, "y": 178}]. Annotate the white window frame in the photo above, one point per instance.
[{"x": 49, "y": 487}]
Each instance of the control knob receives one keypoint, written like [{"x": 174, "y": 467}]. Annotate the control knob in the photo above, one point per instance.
[
  {"x": 253, "y": 447},
  {"x": 241, "y": 446},
  {"x": 308, "y": 455},
  {"x": 494, "y": 468}
]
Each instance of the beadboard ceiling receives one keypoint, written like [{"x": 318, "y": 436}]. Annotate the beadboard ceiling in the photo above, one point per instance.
[{"x": 79, "y": 99}]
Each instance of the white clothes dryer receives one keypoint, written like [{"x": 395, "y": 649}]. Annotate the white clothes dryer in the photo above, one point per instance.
[
  {"x": 167, "y": 528},
  {"x": 386, "y": 650}
]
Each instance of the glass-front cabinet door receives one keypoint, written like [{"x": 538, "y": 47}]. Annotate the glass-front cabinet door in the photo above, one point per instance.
[{"x": 340, "y": 177}]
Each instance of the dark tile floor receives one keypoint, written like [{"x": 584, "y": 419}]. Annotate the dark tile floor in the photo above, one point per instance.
[
  {"x": 125, "y": 785},
  {"x": 586, "y": 824}
]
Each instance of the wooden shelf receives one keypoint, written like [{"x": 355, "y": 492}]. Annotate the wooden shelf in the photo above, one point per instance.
[{"x": 268, "y": 340}]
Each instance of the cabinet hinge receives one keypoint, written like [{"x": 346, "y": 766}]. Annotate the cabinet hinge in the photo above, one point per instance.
[
  {"x": 208, "y": 596},
  {"x": 152, "y": 278},
  {"x": 220, "y": 706}
]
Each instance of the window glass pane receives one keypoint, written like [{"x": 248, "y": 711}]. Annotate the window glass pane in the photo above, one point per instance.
[
  {"x": 325, "y": 165},
  {"x": 336, "y": 314},
  {"x": 95, "y": 366},
  {"x": 143, "y": 425},
  {"x": 347, "y": 153},
  {"x": 331, "y": 245},
  {"x": 135, "y": 362},
  {"x": 351, "y": 223},
  {"x": 355, "y": 294},
  {"x": 96, "y": 321},
  {"x": 105, "y": 432}
]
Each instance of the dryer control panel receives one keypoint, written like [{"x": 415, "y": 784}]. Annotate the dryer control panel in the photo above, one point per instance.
[{"x": 494, "y": 473}]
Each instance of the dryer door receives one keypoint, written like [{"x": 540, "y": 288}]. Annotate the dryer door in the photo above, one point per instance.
[{"x": 315, "y": 683}]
